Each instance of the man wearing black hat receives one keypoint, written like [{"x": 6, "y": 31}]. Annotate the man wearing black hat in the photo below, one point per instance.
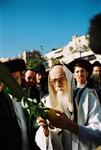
[
  {"x": 41, "y": 80},
  {"x": 95, "y": 79},
  {"x": 97, "y": 65},
  {"x": 16, "y": 67},
  {"x": 30, "y": 78},
  {"x": 82, "y": 69},
  {"x": 14, "y": 134}
]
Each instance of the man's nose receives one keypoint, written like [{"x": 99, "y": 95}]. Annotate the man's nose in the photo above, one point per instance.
[
  {"x": 31, "y": 80},
  {"x": 58, "y": 82},
  {"x": 80, "y": 73}
]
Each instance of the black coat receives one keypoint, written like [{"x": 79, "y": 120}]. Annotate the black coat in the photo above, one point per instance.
[{"x": 10, "y": 132}]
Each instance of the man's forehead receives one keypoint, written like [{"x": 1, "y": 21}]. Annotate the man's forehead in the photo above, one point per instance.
[
  {"x": 16, "y": 73},
  {"x": 57, "y": 71}
]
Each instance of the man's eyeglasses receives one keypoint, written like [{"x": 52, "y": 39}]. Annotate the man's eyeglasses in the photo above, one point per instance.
[{"x": 59, "y": 80}]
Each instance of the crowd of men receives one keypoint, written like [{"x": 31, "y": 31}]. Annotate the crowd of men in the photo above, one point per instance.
[{"x": 71, "y": 91}]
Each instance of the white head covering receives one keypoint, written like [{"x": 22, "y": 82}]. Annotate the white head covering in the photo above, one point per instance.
[{"x": 70, "y": 82}]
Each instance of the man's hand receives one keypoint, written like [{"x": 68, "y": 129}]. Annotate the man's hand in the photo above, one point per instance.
[
  {"x": 44, "y": 124},
  {"x": 61, "y": 120}
]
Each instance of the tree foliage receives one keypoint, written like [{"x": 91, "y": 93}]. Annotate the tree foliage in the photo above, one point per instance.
[{"x": 35, "y": 59}]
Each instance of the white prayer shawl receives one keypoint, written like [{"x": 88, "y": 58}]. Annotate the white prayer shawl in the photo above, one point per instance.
[{"x": 70, "y": 82}]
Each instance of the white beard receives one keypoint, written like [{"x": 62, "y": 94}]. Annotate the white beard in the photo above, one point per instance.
[{"x": 63, "y": 102}]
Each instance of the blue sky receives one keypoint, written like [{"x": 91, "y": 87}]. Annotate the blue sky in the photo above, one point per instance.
[{"x": 28, "y": 24}]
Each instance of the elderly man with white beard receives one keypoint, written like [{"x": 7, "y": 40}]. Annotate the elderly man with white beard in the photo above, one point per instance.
[{"x": 63, "y": 131}]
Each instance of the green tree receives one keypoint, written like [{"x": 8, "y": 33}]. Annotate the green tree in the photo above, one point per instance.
[{"x": 35, "y": 58}]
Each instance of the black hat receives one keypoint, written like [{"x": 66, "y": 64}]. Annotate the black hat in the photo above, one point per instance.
[
  {"x": 40, "y": 68},
  {"x": 96, "y": 63},
  {"x": 83, "y": 63},
  {"x": 15, "y": 65}
]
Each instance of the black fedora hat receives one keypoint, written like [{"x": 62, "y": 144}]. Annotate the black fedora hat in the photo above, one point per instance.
[
  {"x": 96, "y": 63},
  {"x": 40, "y": 68},
  {"x": 16, "y": 64},
  {"x": 82, "y": 63}
]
